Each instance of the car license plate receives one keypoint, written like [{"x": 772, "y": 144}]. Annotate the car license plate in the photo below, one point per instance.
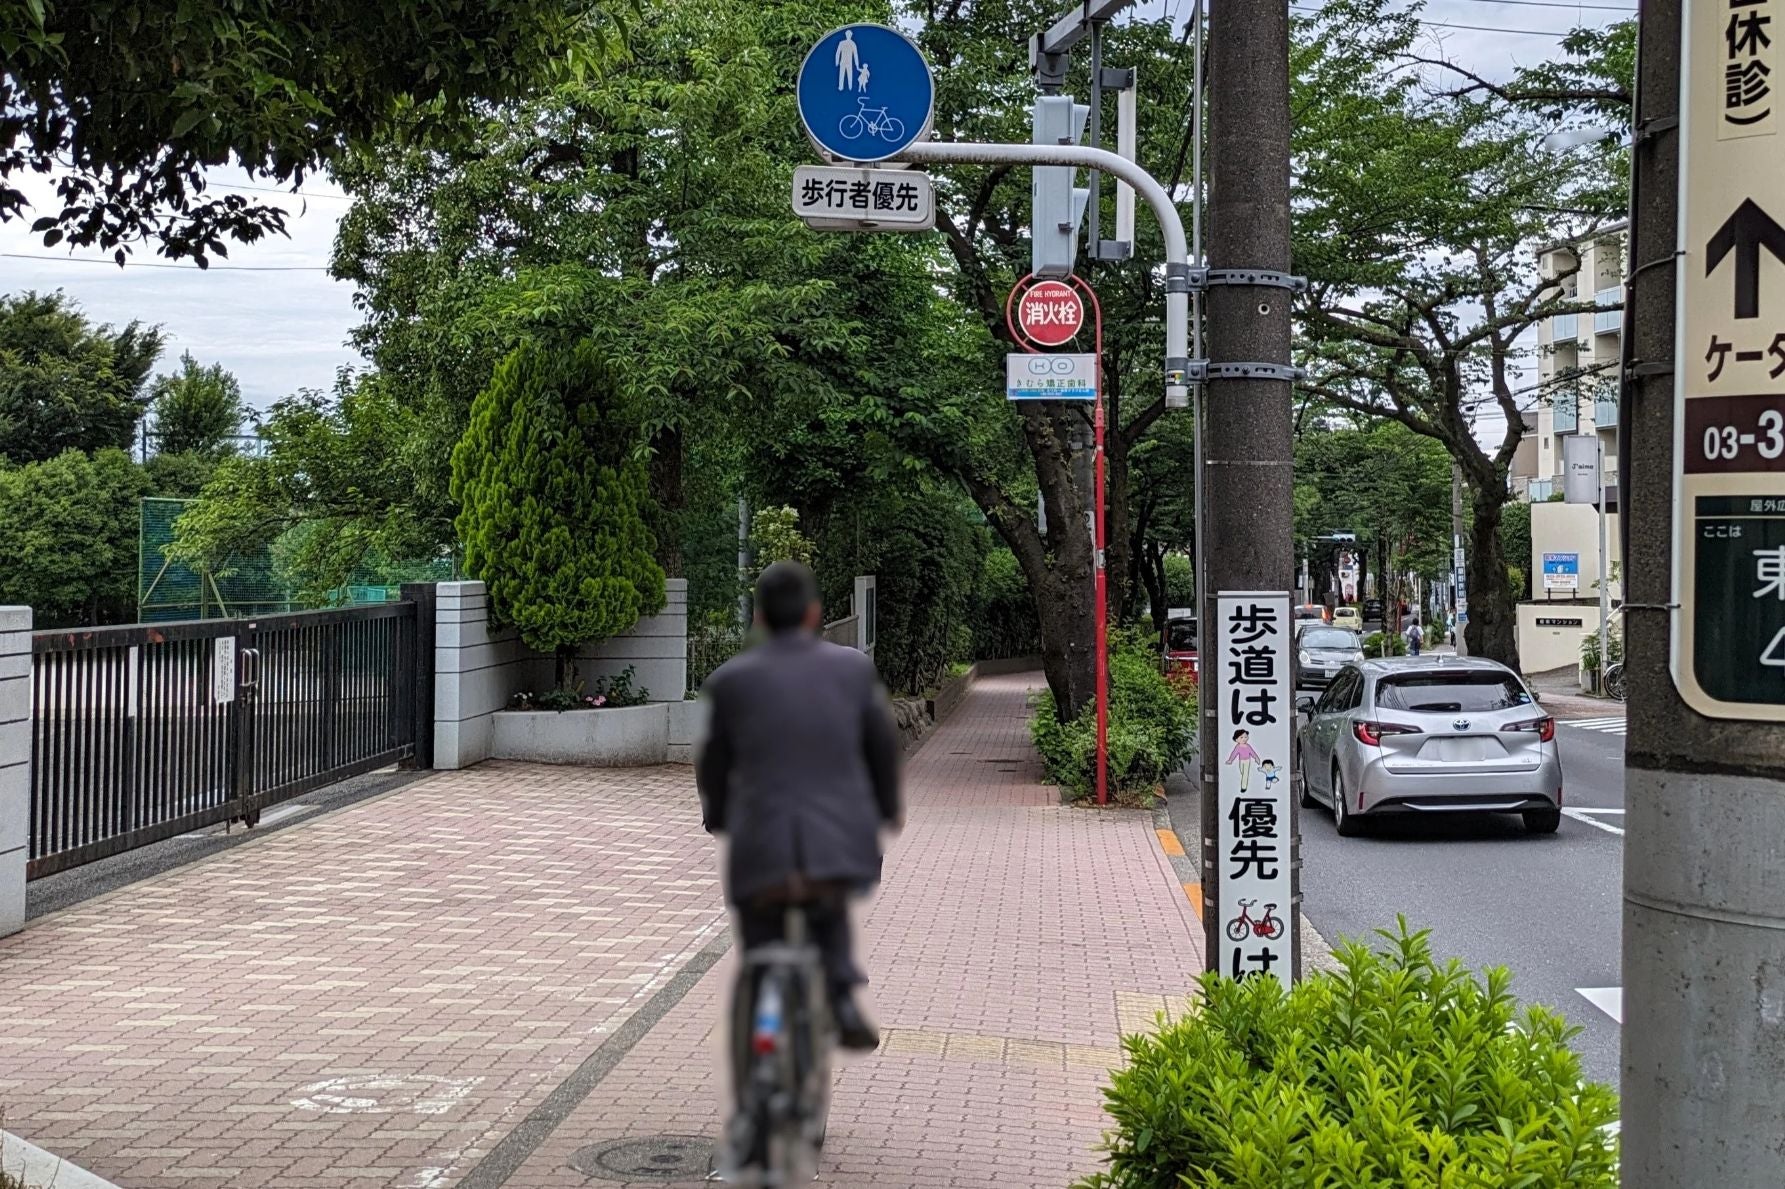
[{"x": 1462, "y": 751}]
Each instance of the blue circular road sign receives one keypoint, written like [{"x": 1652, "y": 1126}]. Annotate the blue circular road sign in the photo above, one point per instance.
[{"x": 865, "y": 93}]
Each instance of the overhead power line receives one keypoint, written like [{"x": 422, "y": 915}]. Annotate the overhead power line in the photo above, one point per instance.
[
  {"x": 1623, "y": 8},
  {"x": 182, "y": 267},
  {"x": 1472, "y": 28}
]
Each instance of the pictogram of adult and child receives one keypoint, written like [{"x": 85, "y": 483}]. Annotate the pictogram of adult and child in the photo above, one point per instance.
[
  {"x": 852, "y": 75},
  {"x": 1245, "y": 756}
]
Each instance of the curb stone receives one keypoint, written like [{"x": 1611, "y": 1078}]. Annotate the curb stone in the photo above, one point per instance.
[{"x": 35, "y": 1168}]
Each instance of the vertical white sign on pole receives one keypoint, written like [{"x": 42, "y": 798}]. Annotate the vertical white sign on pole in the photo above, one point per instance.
[{"x": 1249, "y": 677}]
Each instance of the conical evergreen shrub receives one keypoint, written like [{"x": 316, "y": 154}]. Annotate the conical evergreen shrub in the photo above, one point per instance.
[{"x": 552, "y": 491}]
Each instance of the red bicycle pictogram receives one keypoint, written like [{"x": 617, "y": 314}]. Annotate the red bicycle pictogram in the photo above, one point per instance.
[{"x": 1266, "y": 926}]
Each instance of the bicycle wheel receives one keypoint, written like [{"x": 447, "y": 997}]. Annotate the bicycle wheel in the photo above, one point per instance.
[
  {"x": 851, "y": 126},
  {"x": 1237, "y": 930},
  {"x": 891, "y": 129},
  {"x": 1614, "y": 682},
  {"x": 1273, "y": 929}
]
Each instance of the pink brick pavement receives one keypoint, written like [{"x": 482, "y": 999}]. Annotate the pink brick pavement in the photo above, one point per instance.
[
  {"x": 377, "y": 997},
  {"x": 1007, "y": 932}
]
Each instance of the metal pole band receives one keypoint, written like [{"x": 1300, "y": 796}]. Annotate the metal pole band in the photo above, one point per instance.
[
  {"x": 1252, "y": 371},
  {"x": 1178, "y": 278},
  {"x": 1254, "y": 276}
]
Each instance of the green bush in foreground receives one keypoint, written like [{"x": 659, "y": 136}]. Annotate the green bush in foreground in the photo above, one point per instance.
[
  {"x": 1395, "y": 1073},
  {"x": 1150, "y": 727}
]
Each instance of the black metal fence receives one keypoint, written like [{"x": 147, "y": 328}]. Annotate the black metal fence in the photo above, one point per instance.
[{"x": 145, "y": 732}]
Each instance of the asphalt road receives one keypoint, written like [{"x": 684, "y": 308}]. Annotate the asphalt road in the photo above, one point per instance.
[{"x": 1545, "y": 907}]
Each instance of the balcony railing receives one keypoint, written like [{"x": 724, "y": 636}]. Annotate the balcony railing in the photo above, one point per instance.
[
  {"x": 1609, "y": 321},
  {"x": 1564, "y": 328},
  {"x": 1605, "y": 412},
  {"x": 1567, "y": 414},
  {"x": 1540, "y": 490}
]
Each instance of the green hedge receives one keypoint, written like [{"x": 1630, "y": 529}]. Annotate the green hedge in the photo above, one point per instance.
[
  {"x": 1397, "y": 1072},
  {"x": 1150, "y": 731}
]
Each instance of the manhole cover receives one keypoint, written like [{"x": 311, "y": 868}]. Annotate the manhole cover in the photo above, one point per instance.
[{"x": 651, "y": 1158}]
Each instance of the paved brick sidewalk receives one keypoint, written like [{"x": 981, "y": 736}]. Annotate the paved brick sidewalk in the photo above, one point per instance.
[
  {"x": 367, "y": 1000},
  {"x": 470, "y": 980},
  {"x": 1012, "y": 943}
]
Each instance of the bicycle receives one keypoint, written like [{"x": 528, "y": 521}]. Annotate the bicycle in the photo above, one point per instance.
[
  {"x": 1614, "y": 680},
  {"x": 872, "y": 120},
  {"x": 783, "y": 1040},
  {"x": 1266, "y": 926}
]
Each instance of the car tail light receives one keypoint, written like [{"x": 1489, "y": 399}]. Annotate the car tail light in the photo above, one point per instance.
[
  {"x": 1370, "y": 733},
  {"x": 1544, "y": 727}
]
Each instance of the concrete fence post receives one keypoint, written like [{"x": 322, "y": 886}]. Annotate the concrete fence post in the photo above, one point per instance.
[{"x": 15, "y": 763}]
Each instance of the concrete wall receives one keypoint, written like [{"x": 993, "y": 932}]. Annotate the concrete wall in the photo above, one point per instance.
[
  {"x": 478, "y": 668},
  {"x": 1550, "y": 634},
  {"x": 1572, "y": 528},
  {"x": 15, "y": 762}
]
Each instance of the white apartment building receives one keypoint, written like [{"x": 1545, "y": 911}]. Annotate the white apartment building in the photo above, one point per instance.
[
  {"x": 1577, "y": 363},
  {"x": 1577, "y": 373}
]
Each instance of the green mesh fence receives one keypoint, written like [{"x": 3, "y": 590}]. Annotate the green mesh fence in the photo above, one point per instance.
[{"x": 247, "y": 586}]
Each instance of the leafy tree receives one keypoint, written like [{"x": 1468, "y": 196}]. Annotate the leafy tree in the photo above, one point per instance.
[
  {"x": 1515, "y": 536},
  {"x": 552, "y": 501},
  {"x": 1004, "y": 622},
  {"x": 197, "y": 410},
  {"x": 345, "y": 461},
  {"x": 135, "y": 98},
  {"x": 1418, "y": 222},
  {"x": 66, "y": 384},
  {"x": 775, "y": 536},
  {"x": 68, "y": 529},
  {"x": 1385, "y": 484}
]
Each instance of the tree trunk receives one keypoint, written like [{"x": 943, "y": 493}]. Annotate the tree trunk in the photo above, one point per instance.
[
  {"x": 1492, "y": 609},
  {"x": 669, "y": 499}
]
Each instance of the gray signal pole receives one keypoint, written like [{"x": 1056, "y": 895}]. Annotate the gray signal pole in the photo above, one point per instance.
[
  {"x": 1249, "y": 434},
  {"x": 1704, "y": 899}
]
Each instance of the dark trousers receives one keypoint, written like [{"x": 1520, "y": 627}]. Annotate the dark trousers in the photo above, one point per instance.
[{"x": 827, "y": 927}]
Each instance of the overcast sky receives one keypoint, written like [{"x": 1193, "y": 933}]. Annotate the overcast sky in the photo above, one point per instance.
[{"x": 272, "y": 315}]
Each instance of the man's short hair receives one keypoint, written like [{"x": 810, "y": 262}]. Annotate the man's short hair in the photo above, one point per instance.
[{"x": 785, "y": 592}]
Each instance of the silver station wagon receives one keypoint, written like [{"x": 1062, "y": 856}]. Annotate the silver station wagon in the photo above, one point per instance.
[{"x": 1429, "y": 734}]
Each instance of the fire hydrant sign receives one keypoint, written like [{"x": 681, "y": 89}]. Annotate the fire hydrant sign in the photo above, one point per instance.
[
  {"x": 1729, "y": 462},
  {"x": 1248, "y": 678},
  {"x": 1051, "y": 313}
]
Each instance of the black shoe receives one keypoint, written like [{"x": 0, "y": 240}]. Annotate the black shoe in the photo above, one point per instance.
[{"x": 854, "y": 1030}]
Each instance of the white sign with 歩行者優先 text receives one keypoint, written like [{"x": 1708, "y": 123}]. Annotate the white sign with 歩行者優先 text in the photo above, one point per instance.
[
  {"x": 1729, "y": 396},
  {"x": 1249, "y": 679},
  {"x": 841, "y": 198},
  {"x": 1050, "y": 377}
]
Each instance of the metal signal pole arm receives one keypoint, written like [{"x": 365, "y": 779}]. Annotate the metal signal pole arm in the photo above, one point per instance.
[{"x": 1171, "y": 226}]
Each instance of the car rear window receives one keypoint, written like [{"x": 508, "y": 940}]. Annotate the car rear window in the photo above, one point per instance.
[
  {"x": 1451, "y": 693},
  {"x": 1329, "y": 638},
  {"x": 1183, "y": 637}
]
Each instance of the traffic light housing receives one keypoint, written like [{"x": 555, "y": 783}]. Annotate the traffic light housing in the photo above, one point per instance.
[{"x": 1057, "y": 206}]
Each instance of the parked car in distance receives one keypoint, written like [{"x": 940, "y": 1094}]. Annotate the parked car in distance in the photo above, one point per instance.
[
  {"x": 1373, "y": 611},
  {"x": 1181, "y": 643},
  {"x": 1321, "y": 651},
  {"x": 1310, "y": 613},
  {"x": 1347, "y": 617},
  {"x": 1429, "y": 734}
]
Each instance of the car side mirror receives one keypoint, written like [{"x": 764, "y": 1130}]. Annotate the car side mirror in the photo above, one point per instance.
[{"x": 1305, "y": 704}]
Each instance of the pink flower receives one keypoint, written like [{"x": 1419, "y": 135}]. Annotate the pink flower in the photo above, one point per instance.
[{"x": 601, "y": 700}]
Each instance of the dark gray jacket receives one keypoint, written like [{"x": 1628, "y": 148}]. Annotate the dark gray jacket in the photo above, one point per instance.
[{"x": 800, "y": 765}]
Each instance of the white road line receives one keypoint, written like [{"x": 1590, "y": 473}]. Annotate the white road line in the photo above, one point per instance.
[
  {"x": 1609, "y": 1000},
  {"x": 1606, "y": 726},
  {"x": 1585, "y": 815}
]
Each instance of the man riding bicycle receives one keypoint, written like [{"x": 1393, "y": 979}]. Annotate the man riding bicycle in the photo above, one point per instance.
[{"x": 800, "y": 769}]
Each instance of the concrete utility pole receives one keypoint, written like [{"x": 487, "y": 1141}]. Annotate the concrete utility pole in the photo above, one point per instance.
[
  {"x": 1248, "y": 488},
  {"x": 1459, "y": 571},
  {"x": 1704, "y": 903}
]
